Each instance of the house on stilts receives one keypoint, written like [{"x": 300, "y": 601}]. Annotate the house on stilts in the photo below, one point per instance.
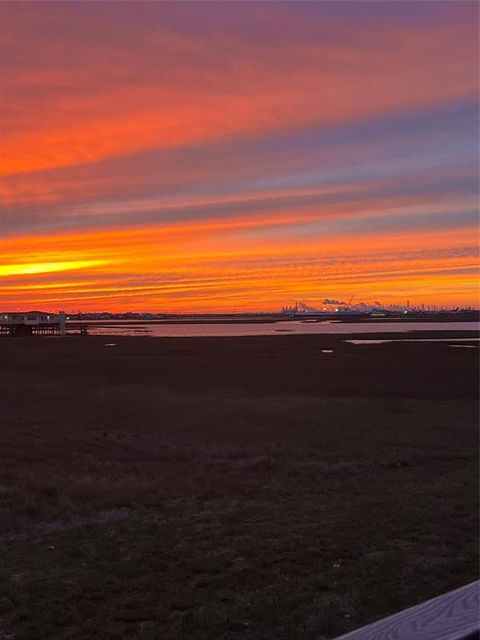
[{"x": 32, "y": 323}]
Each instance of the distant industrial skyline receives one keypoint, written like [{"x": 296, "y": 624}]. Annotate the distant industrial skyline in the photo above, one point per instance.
[
  {"x": 212, "y": 157},
  {"x": 297, "y": 308}
]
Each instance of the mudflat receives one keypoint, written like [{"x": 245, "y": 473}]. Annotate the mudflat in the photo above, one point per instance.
[{"x": 260, "y": 488}]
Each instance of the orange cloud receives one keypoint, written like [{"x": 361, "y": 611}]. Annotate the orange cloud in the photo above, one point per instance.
[
  {"x": 202, "y": 89},
  {"x": 191, "y": 267}
]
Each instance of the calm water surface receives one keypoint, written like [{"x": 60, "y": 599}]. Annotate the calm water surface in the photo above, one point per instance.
[{"x": 292, "y": 327}]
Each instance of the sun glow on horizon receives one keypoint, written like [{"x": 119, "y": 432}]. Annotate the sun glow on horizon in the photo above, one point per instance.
[{"x": 23, "y": 269}]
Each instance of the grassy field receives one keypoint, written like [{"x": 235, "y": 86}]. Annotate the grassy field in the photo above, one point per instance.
[{"x": 216, "y": 489}]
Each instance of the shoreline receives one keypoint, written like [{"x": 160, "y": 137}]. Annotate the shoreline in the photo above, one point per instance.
[
  {"x": 274, "y": 319},
  {"x": 405, "y": 336}
]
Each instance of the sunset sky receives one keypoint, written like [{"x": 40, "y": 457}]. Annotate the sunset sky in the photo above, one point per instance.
[{"x": 229, "y": 156}]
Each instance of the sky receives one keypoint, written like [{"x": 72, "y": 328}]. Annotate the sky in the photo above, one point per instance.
[{"x": 237, "y": 156}]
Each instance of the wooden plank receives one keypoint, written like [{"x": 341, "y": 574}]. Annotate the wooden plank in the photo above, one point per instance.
[{"x": 452, "y": 616}]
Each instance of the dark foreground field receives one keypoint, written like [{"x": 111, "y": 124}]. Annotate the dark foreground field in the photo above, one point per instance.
[{"x": 235, "y": 488}]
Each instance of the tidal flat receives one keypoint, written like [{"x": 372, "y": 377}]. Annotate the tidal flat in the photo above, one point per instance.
[{"x": 257, "y": 488}]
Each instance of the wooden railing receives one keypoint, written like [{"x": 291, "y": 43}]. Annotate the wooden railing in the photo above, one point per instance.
[{"x": 452, "y": 616}]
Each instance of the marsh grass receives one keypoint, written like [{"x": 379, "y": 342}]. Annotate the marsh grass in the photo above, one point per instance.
[{"x": 131, "y": 509}]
